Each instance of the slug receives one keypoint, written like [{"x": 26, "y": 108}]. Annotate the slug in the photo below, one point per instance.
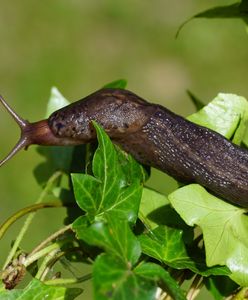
[{"x": 154, "y": 135}]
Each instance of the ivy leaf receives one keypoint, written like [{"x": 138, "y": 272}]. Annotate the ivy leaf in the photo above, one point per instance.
[
  {"x": 59, "y": 157},
  {"x": 56, "y": 101},
  {"x": 233, "y": 11},
  {"x": 112, "y": 279},
  {"x": 115, "y": 237},
  {"x": 117, "y": 84},
  {"x": 155, "y": 209},
  {"x": 39, "y": 290},
  {"x": 197, "y": 102},
  {"x": 224, "y": 227},
  {"x": 114, "y": 273},
  {"x": 156, "y": 273},
  {"x": 56, "y": 158},
  {"x": 245, "y": 138},
  {"x": 227, "y": 114},
  {"x": 154, "y": 203},
  {"x": 166, "y": 245},
  {"x": 220, "y": 286},
  {"x": 131, "y": 168},
  {"x": 111, "y": 191},
  {"x": 228, "y": 11}
]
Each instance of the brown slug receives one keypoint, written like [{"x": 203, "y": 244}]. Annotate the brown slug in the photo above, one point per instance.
[{"x": 154, "y": 135}]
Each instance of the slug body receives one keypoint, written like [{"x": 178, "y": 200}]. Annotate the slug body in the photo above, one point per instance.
[{"x": 154, "y": 136}]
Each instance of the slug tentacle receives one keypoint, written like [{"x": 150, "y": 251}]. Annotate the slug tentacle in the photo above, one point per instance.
[
  {"x": 31, "y": 133},
  {"x": 23, "y": 141},
  {"x": 22, "y": 123},
  {"x": 154, "y": 135}
]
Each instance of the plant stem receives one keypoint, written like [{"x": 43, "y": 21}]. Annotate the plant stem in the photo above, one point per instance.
[
  {"x": 48, "y": 264},
  {"x": 195, "y": 287},
  {"x": 29, "y": 219},
  {"x": 30, "y": 259},
  {"x": 64, "y": 281},
  {"x": 4, "y": 227},
  {"x": 242, "y": 294},
  {"x": 51, "y": 238}
]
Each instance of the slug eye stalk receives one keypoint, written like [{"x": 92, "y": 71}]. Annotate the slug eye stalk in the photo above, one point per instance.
[
  {"x": 38, "y": 133},
  {"x": 23, "y": 141}
]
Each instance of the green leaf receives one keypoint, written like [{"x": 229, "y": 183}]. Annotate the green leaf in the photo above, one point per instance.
[
  {"x": 117, "y": 84},
  {"x": 114, "y": 275},
  {"x": 56, "y": 101},
  {"x": 155, "y": 209},
  {"x": 115, "y": 237},
  {"x": 224, "y": 227},
  {"x": 154, "y": 203},
  {"x": 220, "y": 286},
  {"x": 131, "y": 168},
  {"x": 156, "y": 273},
  {"x": 197, "y": 102},
  {"x": 56, "y": 158},
  {"x": 227, "y": 114},
  {"x": 114, "y": 280},
  {"x": 244, "y": 6},
  {"x": 116, "y": 187},
  {"x": 245, "y": 138},
  {"x": 166, "y": 245},
  {"x": 228, "y": 11},
  {"x": 234, "y": 11},
  {"x": 83, "y": 186},
  {"x": 39, "y": 291}
]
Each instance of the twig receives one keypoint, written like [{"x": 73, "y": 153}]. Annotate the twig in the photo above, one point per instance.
[
  {"x": 54, "y": 257},
  {"x": 30, "y": 259},
  {"x": 51, "y": 238},
  {"x": 46, "y": 264},
  {"x": 242, "y": 294},
  {"x": 195, "y": 287},
  {"x": 64, "y": 281},
  {"x": 22, "y": 212},
  {"x": 29, "y": 219}
]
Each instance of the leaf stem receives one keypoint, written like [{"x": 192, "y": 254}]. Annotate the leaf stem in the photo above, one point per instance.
[
  {"x": 195, "y": 287},
  {"x": 51, "y": 238},
  {"x": 30, "y": 259},
  {"x": 51, "y": 252},
  {"x": 48, "y": 264},
  {"x": 64, "y": 281},
  {"x": 22, "y": 212},
  {"x": 242, "y": 294},
  {"x": 29, "y": 219}
]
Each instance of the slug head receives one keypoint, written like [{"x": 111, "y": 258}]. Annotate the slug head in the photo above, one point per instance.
[{"x": 118, "y": 111}]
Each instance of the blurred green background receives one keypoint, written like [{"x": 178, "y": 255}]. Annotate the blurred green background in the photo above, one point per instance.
[{"x": 79, "y": 46}]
